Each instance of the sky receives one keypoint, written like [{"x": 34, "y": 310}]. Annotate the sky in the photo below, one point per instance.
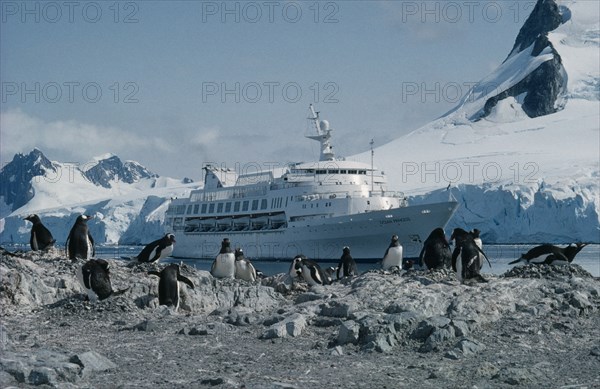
[{"x": 177, "y": 84}]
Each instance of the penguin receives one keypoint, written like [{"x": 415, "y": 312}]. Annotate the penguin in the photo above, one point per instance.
[
  {"x": 556, "y": 255},
  {"x": 224, "y": 265},
  {"x": 80, "y": 243},
  {"x": 436, "y": 253},
  {"x": 477, "y": 238},
  {"x": 329, "y": 273},
  {"x": 470, "y": 263},
  {"x": 94, "y": 278},
  {"x": 347, "y": 264},
  {"x": 309, "y": 270},
  {"x": 168, "y": 286},
  {"x": 393, "y": 255},
  {"x": 41, "y": 238},
  {"x": 244, "y": 270},
  {"x": 157, "y": 250}
]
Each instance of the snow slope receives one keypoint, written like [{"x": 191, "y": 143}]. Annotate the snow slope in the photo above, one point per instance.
[{"x": 518, "y": 179}]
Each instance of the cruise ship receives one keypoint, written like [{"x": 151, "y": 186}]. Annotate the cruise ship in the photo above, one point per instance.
[{"x": 314, "y": 208}]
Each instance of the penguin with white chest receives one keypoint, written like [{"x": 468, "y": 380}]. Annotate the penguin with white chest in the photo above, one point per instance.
[
  {"x": 168, "y": 286},
  {"x": 41, "y": 238},
  {"x": 224, "y": 265},
  {"x": 393, "y": 255},
  {"x": 309, "y": 270},
  {"x": 80, "y": 243},
  {"x": 157, "y": 250},
  {"x": 95, "y": 279},
  {"x": 470, "y": 263},
  {"x": 244, "y": 270}
]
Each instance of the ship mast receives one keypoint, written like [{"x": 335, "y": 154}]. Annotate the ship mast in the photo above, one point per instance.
[
  {"x": 372, "y": 156},
  {"x": 323, "y": 134}
]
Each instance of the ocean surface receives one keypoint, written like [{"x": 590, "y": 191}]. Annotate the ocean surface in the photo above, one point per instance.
[{"x": 499, "y": 255}]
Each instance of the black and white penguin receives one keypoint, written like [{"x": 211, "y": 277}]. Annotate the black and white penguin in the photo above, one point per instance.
[
  {"x": 94, "y": 278},
  {"x": 157, "y": 250},
  {"x": 550, "y": 254},
  {"x": 347, "y": 264},
  {"x": 436, "y": 253},
  {"x": 470, "y": 263},
  {"x": 80, "y": 243},
  {"x": 168, "y": 285},
  {"x": 393, "y": 255},
  {"x": 224, "y": 265},
  {"x": 244, "y": 270},
  {"x": 41, "y": 238},
  {"x": 309, "y": 270}
]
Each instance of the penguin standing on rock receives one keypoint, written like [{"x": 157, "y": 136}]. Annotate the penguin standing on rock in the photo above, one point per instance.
[
  {"x": 80, "y": 243},
  {"x": 41, "y": 238},
  {"x": 244, "y": 270},
  {"x": 94, "y": 278},
  {"x": 347, "y": 265},
  {"x": 393, "y": 255},
  {"x": 470, "y": 263},
  {"x": 157, "y": 250},
  {"x": 436, "y": 252},
  {"x": 555, "y": 255},
  {"x": 309, "y": 270},
  {"x": 224, "y": 265},
  {"x": 168, "y": 286}
]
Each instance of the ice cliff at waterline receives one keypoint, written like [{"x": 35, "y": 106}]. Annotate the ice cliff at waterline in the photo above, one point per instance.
[{"x": 521, "y": 152}]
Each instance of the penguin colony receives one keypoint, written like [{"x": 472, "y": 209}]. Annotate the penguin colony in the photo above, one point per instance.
[{"x": 466, "y": 260}]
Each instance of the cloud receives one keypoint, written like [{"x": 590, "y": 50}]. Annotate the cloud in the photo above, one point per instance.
[{"x": 69, "y": 139}]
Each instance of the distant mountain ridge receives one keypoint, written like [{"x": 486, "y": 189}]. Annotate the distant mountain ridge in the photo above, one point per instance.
[
  {"x": 112, "y": 169},
  {"x": 17, "y": 176}
]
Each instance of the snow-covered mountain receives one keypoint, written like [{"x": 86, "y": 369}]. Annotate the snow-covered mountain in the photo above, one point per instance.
[
  {"x": 126, "y": 199},
  {"x": 521, "y": 152}
]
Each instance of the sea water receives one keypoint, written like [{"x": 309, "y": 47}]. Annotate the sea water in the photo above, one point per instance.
[{"x": 499, "y": 255}]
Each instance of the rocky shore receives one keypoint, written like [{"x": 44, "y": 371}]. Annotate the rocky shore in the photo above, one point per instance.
[{"x": 535, "y": 327}]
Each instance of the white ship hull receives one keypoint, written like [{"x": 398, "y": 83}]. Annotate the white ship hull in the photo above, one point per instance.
[{"x": 367, "y": 234}]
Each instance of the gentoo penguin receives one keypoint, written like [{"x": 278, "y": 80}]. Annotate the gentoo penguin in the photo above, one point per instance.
[
  {"x": 80, "y": 243},
  {"x": 309, "y": 270},
  {"x": 157, "y": 250},
  {"x": 470, "y": 263},
  {"x": 41, "y": 238},
  {"x": 94, "y": 278},
  {"x": 224, "y": 264},
  {"x": 244, "y": 270},
  {"x": 168, "y": 286},
  {"x": 393, "y": 255},
  {"x": 347, "y": 264},
  {"x": 556, "y": 255},
  {"x": 436, "y": 252}
]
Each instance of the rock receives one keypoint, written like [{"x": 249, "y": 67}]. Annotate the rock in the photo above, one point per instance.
[
  {"x": 198, "y": 331},
  {"x": 308, "y": 296},
  {"x": 437, "y": 338},
  {"x": 486, "y": 370},
  {"x": 348, "y": 333},
  {"x": 293, "y": 326},
  {"x": 336, "y": 309},
  {"x": 518, "y": 376},
  {"x": 468, "y": 347},
  {"x": 426, "y": 327},
  {"x": 337, "y": 351},
  {"x": 42, "y": 376},
  {"x": 15, "y": 368},
  {"x": 146, "y": 325},
  {"x": 91, "y": 361},
  {"x": 461, "y": 328}
]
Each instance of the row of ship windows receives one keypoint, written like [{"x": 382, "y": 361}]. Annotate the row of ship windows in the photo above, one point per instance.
[
  {"x": 333, "y": 171},
  {"x": 226, "y": 207}
]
